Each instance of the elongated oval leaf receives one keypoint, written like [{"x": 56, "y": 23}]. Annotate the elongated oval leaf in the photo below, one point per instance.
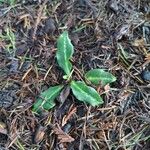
[
  {"x": 64, "y": 52},
  {"x": 86, "y": 93},
  {"x": 46, "y": 100},
  {"x": 97, "y": 75}
]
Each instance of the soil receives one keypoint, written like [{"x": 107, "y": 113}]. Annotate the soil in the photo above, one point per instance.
[{"x": 110, "y": 34}]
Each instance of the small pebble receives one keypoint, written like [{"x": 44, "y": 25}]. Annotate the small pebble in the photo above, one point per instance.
[
  {"x": 145, "y": 75},
  {"x": 49, "y": 27}
]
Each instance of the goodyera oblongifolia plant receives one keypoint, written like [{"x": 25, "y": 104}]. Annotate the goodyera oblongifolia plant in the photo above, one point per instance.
[{"x": 80, "y": 89}]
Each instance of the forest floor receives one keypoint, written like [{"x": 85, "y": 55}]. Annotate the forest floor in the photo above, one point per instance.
[{"x": 110, "y": 34}]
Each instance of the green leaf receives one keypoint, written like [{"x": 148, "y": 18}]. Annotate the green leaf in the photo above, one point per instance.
[
  {"x": 64, "y": 52},
  {"x": 97, "y": 75},
  {"x": 46, "y": 100},
  {"x": 86, "y": 93}
]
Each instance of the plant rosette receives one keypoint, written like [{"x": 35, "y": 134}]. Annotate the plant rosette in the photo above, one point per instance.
[{"x": 80, "y": 89}]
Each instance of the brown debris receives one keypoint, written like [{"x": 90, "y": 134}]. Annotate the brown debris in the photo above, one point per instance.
[
  {"x": 38, "y": 20},
  {"x": 64, "y": 94},
  {"x": 39, "y": 135},
  {"x": 62, "y": 136},
  {"x": 69, "y": 115}
]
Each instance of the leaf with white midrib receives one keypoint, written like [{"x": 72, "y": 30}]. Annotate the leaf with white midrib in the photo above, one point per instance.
[
  {"x": 46, "y": 99},
  {"x": 96, "y": 76},
  {"x": 86, "y": 93},
  {"x": 64, "y": 52}
]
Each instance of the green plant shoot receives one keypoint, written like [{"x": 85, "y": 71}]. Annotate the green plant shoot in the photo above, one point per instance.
[
  {"x": 64, "y": 52},
  {"x": 80, "y": 90}
]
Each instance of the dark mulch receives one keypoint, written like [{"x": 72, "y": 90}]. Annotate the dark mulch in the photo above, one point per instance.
[{"x": 109, "y": 34}]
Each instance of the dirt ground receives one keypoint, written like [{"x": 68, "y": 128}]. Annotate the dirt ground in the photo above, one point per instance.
[{"x": 109, "y": 34}]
